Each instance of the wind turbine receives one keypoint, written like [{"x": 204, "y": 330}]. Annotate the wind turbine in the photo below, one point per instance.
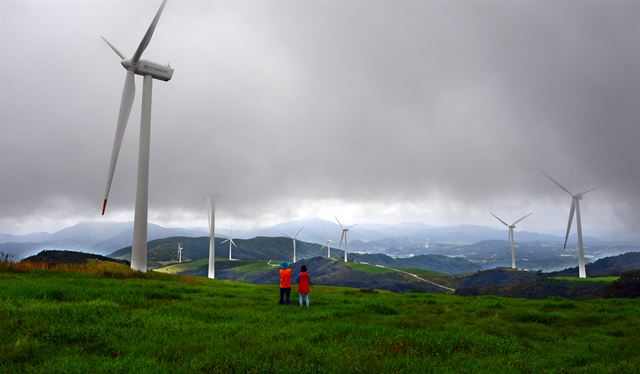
[
  {"x": 149, "y": 70},
  {"x": 211, "y": 203},
  {"x": 231, "y": 242},
  {"x": 575, "y": 208},
  {"x": 327, "y": 244},
  {"x": 511, "y": 239},
  {"x": 294, "y": 237},
  {"x": 180, "y": 253},
  {"x": 345, "y": 231}
]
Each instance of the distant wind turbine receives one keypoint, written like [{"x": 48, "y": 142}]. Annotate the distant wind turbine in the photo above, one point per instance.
[
  {"x": 231, "y": 242},
  {"x": 575, "y": 208},
  {"x": 180, "y": 253},
  {"x": 150, "y": 70},
  {"x": 294, "y": 237},
  {"x": 511, "y": 239},
  {"x": 343, "y": 237},
  {"x": 327, "y": 244},
  {"x": 211, "y": 203}
]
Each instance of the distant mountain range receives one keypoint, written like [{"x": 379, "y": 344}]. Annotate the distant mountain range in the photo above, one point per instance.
[
  {"x": 95, "y": 237},
  {"x": 483, "y": 245},
  {"x": 163, "y": 251}
]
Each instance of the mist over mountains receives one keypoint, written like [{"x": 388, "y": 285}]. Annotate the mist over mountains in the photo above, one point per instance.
[{"x": 483, "y": 245}]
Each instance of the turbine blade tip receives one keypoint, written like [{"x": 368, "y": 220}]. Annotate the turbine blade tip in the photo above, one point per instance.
[{"x": 104, "y": 206}]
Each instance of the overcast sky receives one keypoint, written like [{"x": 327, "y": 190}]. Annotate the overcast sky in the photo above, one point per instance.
[{"x": 375, "y": 111}]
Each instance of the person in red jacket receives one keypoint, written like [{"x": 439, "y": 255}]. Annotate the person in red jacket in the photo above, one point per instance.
[
  {"x": 285, "y": 282},
  {"x": 304, "y": 284}
]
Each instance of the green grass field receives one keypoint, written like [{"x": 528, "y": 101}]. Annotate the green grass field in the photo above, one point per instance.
[
  {"x": 177, "y": 268},
  {"x": 367, "y": 268},
  {"x": 105, "y": 318},
  {"x": 594, "y": 279},
  {"x": 253, "y": 266}
]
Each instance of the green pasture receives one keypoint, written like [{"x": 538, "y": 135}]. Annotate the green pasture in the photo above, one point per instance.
[{"x": 113, "y": 320}]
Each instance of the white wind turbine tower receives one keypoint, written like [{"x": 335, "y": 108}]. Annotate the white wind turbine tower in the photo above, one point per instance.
[
  {"x": 343, "y": 237},
  {"x": 294, "y": 237},
  {"x": 575, "y": 208},
  {"x": 511, "y": 239},
  {"x": 327, "y": 244},
  {"x": 180, "y": 253},
  {"x": 149, "y": 70},
  {"x": 211, "y": 203},
  {"x": 231, "y": 242}
]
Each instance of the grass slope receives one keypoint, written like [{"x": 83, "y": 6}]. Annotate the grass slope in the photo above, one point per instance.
[
  {"x": 109, "y": 319},
  {"x": 594, "y": 279},
  {"x": 368, "y": 268},
  {"x": 323, "y": 272},
  {"x": 181, "y": 267}
]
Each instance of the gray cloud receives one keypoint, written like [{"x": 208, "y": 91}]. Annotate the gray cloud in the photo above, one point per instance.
[{"x": 444, "y": 105}]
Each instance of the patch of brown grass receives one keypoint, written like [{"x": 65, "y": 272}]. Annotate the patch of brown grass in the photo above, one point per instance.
[{"x": 101, "y": 268}]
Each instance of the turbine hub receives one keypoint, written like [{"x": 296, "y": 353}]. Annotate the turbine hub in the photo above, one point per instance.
[{"x": 128, "y": 64}]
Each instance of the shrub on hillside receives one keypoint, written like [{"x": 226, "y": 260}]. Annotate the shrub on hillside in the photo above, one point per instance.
[{"x": 628, "y": 285}]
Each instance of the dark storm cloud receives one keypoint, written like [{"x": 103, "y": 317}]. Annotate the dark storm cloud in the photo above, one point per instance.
[{"x": 274, "y": 102}]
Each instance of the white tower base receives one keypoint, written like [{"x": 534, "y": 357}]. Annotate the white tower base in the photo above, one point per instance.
[
  {"x": 513, "y": 248},
  {"x": 212, "y": 258},
  {"x": 212, "y": 238},
  {"x": 139, "y": 247},
  {"x": 582, "y": 270}
]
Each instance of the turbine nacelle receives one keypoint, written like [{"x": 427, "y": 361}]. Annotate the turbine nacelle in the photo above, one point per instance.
[{"x": 146, "y": 67}]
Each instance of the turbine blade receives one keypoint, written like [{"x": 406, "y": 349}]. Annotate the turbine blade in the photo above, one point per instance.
[
  {"x": 224, "y": 241},
  {"x": 573, "y": 209},
  {"x": 513, "y": 224},
  {"x": 147, "y": 37},
  {"x": 296, "y": 235},
  {"x": 234, "y": 243},
  {"x": 126, "y": 102},
  {"x": 499, "y": 219},
  {"x": 339, "y": 222},
  {"x": 290, "y": 237},
  {"x": 556, "y": 183},
  {"x": 349, "y": 228},
  {"x": 114, "y": 48}
]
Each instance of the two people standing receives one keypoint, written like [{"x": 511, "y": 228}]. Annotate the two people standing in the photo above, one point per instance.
[{"x": 304, "y": 284}]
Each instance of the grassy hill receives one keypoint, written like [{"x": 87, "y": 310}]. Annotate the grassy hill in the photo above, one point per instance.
[
  {"x": 105, "y": 318},
  {"x": 609, "y": 266},
  {"x": 70, "y": 257},
  {"x": 323, "y": 272},
  {"x": 533, "y": 285}
]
